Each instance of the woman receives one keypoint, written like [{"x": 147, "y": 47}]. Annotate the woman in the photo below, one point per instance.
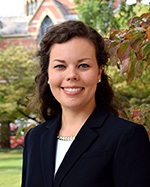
[{"x": 82, "y": 142}]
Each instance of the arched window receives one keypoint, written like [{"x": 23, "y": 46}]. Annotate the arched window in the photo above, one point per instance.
[
  {"x": 32, "y": 7},
  {"x": 36, "y": 3},
  {"x": 28, "y": 9},
  {"x": 46, "y": 24}
]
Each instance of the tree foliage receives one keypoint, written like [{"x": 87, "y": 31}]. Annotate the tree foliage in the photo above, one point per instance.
[
  {"x": 125, "y": 12},
  {"x": 133, "y": 96},
  {"x": 102, "y": 15},
  {"x": 130, "y": 51},
  {"x": 130, "y": 48},
  {"x": 127, "y": 35},
  {"x": 98, "y": 14},
  {"x": 17, "y": 71}
]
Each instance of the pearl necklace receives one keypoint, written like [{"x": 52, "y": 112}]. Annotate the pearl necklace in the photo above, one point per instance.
[{"x": 66, "y": 138}]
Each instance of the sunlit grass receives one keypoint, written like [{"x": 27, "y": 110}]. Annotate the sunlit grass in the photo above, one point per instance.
[{"x": 10, "y": 168}]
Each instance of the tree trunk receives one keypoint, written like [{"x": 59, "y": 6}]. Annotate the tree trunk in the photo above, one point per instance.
[{"x": 5, "y": 134}]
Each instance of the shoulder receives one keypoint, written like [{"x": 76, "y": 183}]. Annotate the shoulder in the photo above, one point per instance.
[
  {"x": 122, "y": 123},
  {"x": 126, "y": 128},
  {"x": 112, "y": 121},
  {"x": 113, "y": 125}
]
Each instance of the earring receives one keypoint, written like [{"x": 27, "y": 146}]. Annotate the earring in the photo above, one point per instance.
[
  {"x": 48, "y": 82},
  {"x": 99, "y": 81}
]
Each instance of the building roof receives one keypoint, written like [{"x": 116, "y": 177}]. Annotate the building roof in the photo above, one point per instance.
[
  {"x": 13, "y": 26},
  {"x": 19, "y": 25}
]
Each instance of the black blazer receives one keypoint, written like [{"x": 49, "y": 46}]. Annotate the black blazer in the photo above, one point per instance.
[{"x": 107, "y": 152}]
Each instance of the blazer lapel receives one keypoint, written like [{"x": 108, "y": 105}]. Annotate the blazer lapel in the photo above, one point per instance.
[
  {"x": 85, "y": 138},
  {"x": 48, "y": 148}
]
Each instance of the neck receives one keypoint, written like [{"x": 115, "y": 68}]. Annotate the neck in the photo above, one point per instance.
[{"x": 73, "y": 120}]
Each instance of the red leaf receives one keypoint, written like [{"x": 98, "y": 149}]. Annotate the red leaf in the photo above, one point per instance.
[
  {"x": 132, "y": 34},
  {"x": 114, "y": 35},
  {"x": 136, "y": 114},
  {"x": 145, "y": 15},
  {"x": 124, "y": 66},
  {"x": 135, "y": 20},
  {"x": 123, "y": 50},
  {"x": 135, "y": 43},
  {"x": 129, "y": 21},
  {"x": 114, "y": 60},
  {"x": 147, "y": 37},
  {"x": 131, "y": 70},
  {"x": 113, "y": 30},
  {"x": 144, "y": 24}
]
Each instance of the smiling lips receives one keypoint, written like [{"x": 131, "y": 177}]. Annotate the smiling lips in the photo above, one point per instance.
[{"x": 72, "y": 91}]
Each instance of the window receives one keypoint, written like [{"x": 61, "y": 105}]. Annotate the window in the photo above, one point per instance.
[
  {"x": 28, "y": 9},
  {"x": 32, "y": 7},
  {"x": 46, "y": 24}
]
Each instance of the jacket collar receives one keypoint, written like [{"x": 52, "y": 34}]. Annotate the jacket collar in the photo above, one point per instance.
[
  {"x": 84, "y": 139},
  {"x": 48, "y": 148}
]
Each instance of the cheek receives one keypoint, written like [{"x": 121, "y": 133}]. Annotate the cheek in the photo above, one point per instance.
[
  {"x": 91, "y": 79},
  {"x": 54, "y": 85},
  {"x": 54, "y": 82},
  {"x": 54, "y": 78}
]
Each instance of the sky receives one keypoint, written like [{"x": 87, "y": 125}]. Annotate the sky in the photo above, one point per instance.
[
  {"x": 134, "y": 1},
  {"x": 16, "y": 7},
  {"x": 11, "y": 8}
]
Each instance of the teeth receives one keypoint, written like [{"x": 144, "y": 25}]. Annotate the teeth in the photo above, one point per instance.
[{"x": 72, "y": 89}]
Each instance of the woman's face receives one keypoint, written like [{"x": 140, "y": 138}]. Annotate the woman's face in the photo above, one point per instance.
[{"x": 74, "y": 74}]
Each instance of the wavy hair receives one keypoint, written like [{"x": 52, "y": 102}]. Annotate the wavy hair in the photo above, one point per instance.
[{"x": 49, "y": 107}]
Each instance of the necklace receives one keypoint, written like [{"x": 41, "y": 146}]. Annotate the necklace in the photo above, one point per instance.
[{"x": 66, "y": 138}]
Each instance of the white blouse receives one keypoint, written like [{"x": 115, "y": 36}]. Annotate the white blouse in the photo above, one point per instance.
[{"x": 61, "y": 149}]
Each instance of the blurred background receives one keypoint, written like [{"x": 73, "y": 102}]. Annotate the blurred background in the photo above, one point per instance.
[{"x": 125, "y": 25}]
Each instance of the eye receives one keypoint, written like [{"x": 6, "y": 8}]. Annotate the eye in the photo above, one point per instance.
[
  {"x": 60, "y": 66},
  {"x": 83, "y": 66}
]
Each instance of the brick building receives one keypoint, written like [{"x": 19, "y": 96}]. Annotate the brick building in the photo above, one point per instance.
[
  {"x": 29, "y": 28},
  {"x": 37, "y": 16}
]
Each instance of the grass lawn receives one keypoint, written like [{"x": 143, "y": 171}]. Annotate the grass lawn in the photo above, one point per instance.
[{"x": 10, "y": 168}]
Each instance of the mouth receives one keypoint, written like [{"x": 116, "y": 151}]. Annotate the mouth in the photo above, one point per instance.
[{"x": 72, "y": 90}]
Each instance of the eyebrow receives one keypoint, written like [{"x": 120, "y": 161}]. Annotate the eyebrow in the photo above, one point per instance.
[
  {"x": 63, "y": 61},
  {"x": 82, "y": 59},
  {"x": 58, "y": 60}
]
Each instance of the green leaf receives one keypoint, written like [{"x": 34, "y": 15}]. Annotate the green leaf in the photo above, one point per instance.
[
  {"x": 131, "y": 70},
  {"x": 123, "y": 50},
  {"x": 115, "y": 35},
  {"x": 136, "y": 42},
  {"x": 145, "y": 49},
  {"x": 21, "y": 128},
  {"x": 140, "y": 66},
  {"x": 131, "y": 34},
  {"x": 147, "y": 121}
]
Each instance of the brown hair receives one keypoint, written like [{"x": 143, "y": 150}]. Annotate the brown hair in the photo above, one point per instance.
[{"x": 49, "y": 106}]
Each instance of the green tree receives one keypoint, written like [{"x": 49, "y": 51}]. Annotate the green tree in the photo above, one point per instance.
[
  {"x": 17, "y": 72},
  {"x": 129, "y": 46},
  {"x": 102, "y": 15},
  {"x": 125, "y": 12},
  {"x": 133, "y": 96},
  {"x": 98, "y": 14},
  {"x": 130, "y": 52}
]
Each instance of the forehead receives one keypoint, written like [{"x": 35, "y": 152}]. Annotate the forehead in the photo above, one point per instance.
[{"x": 74, "y": 45}]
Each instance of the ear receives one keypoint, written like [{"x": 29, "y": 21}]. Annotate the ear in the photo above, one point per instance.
[{"x": 100, "y": 73}]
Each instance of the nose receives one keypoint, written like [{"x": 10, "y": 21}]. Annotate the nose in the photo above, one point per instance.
[{"x": 72, "y": 74}]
